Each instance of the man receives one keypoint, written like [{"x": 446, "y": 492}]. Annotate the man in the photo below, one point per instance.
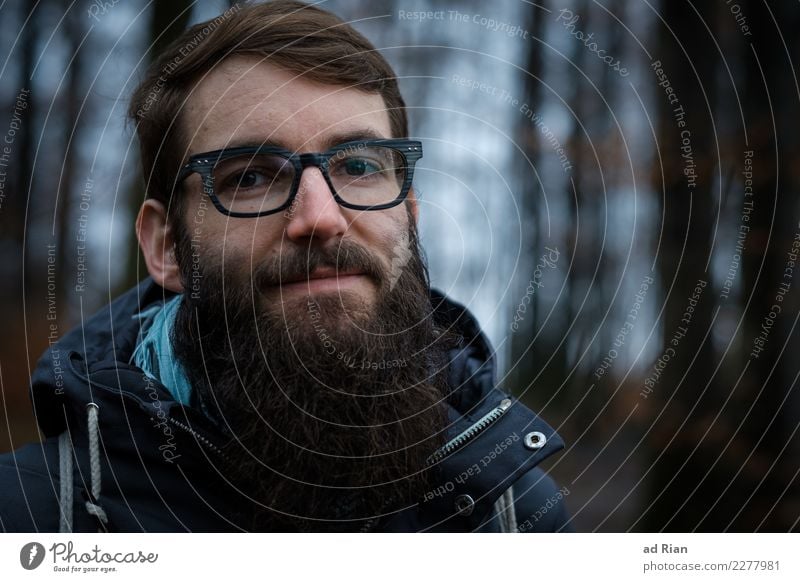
[{"x": 286, "y": 366}]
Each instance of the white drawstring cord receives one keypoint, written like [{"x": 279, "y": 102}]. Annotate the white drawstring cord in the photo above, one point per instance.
[
  {"x": 506, "y": 515},
  {"x": 65, "y": 472},
  {"x": 92, "y": 506},
  {"x": 511, "y": 514}
]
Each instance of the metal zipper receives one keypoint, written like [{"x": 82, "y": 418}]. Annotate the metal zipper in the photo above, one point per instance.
[
  {"x": 207, "y": 443},
  {"x": 454, "y": 444},
  {"x": 459, "y": 441}
]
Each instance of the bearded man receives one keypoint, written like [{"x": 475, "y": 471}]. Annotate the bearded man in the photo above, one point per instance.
[{"x": 286, "y": 365}]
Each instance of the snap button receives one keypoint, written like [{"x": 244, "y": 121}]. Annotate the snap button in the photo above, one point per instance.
[
  {"x": 464, "y": 505},
  {"x": 534, "y": 440}
]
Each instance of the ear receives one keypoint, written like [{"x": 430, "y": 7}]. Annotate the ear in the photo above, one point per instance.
[
  {"x": 157, "y": 241},
  {"x": 413, "y": 204}
]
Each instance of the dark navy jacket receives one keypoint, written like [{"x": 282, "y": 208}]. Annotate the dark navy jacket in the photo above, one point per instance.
[{"x": 158, "y": 460}]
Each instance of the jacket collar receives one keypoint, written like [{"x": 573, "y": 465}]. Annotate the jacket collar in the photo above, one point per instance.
[{"x": 492, "y": 438}]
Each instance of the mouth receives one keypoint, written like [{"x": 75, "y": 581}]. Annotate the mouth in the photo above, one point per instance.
[{"x": 323, "y": 279}]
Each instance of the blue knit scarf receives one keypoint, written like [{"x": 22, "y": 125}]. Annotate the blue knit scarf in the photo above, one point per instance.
[{"x": 153, "y": 353}]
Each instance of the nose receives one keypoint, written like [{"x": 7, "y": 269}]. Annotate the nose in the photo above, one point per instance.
[{"x": 314, "y": 213}]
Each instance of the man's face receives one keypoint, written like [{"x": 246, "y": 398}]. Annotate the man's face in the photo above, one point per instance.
[
  {"x": 245, "y": 101},
  {"x": 328, "y": 415}
]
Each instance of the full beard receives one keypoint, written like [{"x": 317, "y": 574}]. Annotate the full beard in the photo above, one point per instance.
[{"x": 331, "y": 407}]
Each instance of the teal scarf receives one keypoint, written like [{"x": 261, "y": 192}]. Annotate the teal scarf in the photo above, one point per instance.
[{"x": 153, "y": 353}]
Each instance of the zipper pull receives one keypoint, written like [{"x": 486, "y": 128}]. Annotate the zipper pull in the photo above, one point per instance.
[{"x": 470, "y": 433}]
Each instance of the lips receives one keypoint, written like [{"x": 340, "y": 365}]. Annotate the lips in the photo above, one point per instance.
[{"x": 321, "y": 273}]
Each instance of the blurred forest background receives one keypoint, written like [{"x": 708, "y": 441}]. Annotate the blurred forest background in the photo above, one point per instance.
[{"x": 610, "y": 186}]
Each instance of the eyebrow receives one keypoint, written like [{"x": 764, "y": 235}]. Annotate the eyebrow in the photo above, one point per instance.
[
  {"x": 329, "y": 142},
  {"x": 354, "y": 135}
]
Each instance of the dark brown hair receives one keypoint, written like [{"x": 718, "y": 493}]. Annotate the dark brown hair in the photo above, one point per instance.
[{"x": 294, "y": 36}]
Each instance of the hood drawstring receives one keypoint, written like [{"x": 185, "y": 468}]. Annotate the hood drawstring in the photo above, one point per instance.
[
  {"x": 504, "y": 506},
  {"x": 65, "y": 472},
  {"x": 92, "y": 506},
  {"x": 65, "y": 452}
]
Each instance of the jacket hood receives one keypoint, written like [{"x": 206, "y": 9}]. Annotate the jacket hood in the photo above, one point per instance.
[{"x": 64, "y": 381}]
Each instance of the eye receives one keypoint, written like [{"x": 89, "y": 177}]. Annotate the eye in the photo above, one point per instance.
[
  {"x": 360, "y": 167},
  {"x": 250, "y": 179},
  {"x": 253, "y": 174}
]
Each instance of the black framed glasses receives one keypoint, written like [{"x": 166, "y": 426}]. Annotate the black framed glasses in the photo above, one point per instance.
[{"x": 247, "y": 182}]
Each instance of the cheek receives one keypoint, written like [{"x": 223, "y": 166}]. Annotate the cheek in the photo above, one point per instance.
[
  {"x": 234, "y": 244},
  {"x": 381, "y": 231}
]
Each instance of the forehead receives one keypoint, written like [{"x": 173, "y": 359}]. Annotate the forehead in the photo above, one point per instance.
[{"x": 247, "y": 100}]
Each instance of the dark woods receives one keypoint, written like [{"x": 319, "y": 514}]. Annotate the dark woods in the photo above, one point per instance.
[{"x": 651, "y": 316}]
